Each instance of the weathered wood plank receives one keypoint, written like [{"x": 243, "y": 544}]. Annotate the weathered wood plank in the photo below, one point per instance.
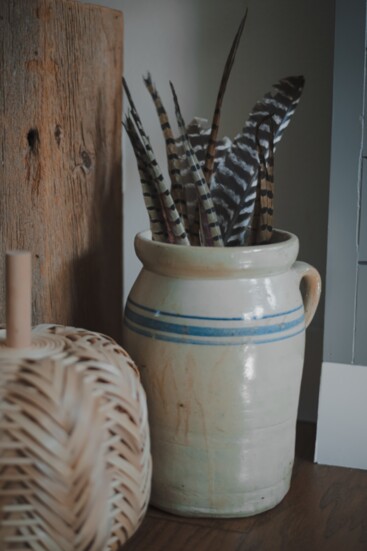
[{"x": 60, "y": 157}]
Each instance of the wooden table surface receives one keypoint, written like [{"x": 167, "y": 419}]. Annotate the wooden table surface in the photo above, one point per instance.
[{"x": 325, "y": 510}]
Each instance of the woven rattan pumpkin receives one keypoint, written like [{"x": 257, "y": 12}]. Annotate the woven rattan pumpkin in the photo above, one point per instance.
[{"x": 75, "y": 464}]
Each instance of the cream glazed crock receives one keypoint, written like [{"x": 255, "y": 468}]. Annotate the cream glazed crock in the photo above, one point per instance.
[{"x": 219, "y": 335}]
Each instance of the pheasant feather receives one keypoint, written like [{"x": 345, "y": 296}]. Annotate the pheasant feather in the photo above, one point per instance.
[
  {"x": 198, "y": 137},
  {"x": 189, "y": 193},
  {"x": 171, "y": 151},
  {"x": 210, "y": 154},
  {"x": 211, "y": 229},
  {"x": 170, "y": 213},
  {"x": 262, "y": 224},
  {"x": 233, "y": 185},
  {"x": 151, "y": 200},
  {"x": 266, "y": 195},
  {"x": 154, "y": 200}
]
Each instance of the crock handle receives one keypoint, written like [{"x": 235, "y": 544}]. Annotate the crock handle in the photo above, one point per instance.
[{"x": 312, "y": 292}]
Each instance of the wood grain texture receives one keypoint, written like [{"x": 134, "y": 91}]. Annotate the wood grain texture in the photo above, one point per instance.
[
  {"x": 325, "y": 510},
  {"x": 60, "y": 157}
]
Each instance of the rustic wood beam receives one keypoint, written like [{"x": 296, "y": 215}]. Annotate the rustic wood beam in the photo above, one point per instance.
[{"x": 60, "y": 157}]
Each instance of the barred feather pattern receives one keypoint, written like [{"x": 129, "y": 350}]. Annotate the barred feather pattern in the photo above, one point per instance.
[
  {"x": 233, "y": 185},
  {"x": 188, "y": 185},
  {"x": 74, "y": 446},
  {"x": 156, "y": 202},
  {"x": 261, "y": 226},
  {"x": 210, "y": 153},
  {"x": 189, "y": 194},
  {"x": 171, "y": 152},
  {"x": 266, "y": 192},
  {"x": 211, "y": 234},
  {"x": 158, "y": 225},
  {"x": 198, "y": 133},
  {"x": 175, "y": 225}
]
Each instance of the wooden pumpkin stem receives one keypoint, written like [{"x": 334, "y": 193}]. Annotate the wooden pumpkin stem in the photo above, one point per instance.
[{"x": 18, "y": 299}]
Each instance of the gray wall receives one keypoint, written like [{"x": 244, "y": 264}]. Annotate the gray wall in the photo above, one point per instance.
[
  {"x": 342, "y": 413},
  {"x": 187, "y": 42},
  {"x": 345, "y": 320}
]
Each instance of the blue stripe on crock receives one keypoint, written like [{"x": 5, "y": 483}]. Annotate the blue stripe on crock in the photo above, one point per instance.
[
  {"x": 185, "y": 316},
  {"x": 211, "y": 342},
  {"x": 156, "y": 327}
]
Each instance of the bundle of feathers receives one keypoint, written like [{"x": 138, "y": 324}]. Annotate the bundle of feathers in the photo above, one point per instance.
[{"x": 221, "y": 191}]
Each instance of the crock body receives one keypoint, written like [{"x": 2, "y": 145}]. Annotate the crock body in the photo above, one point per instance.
[{"x": 219, "y": 335}]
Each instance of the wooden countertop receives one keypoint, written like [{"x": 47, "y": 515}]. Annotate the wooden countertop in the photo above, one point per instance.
[{"x": 325, "y": 510}]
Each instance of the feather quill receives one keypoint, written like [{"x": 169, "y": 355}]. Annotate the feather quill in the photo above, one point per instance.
[
  {"x": 177, "y": 191},
  {"x": 209, "y": 223},
  {"x": 190, "y": 195},
  {"x": 198, "y": 133},
  {"x": 210, "y": 154},
  {"x": 171, "y": 215},
  {"x": 266, "y": 195},
  {"x": 198, "y": 142},
  {"x": 264, "y": 229},
  {"x": 153, "y": 205},
  {"x": 233, "y": 185}
]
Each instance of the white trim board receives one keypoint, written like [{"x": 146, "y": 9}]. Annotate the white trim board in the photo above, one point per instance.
[{"x": 342, "y": 417}]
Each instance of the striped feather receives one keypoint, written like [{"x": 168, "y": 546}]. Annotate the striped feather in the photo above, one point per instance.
[
  {"x": 210, "y": 154},
  {"x": 190, "y": 194},
  {"x": 266, "y": 192},
  {"x": 153, "y": 205},
  {"x": 199, "y": 144},
  {"x": 211, "y": 231},
  {"x": 261, "y": 225},
  {"x": 233, "y": 185},
  {"x": 198, "y": 133},
  {"x": 171, "y": 152},
  {"x": 172, "y": 217}
]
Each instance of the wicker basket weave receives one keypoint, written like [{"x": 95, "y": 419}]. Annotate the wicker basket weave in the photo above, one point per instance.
[{"x": 75, "y": 465}]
